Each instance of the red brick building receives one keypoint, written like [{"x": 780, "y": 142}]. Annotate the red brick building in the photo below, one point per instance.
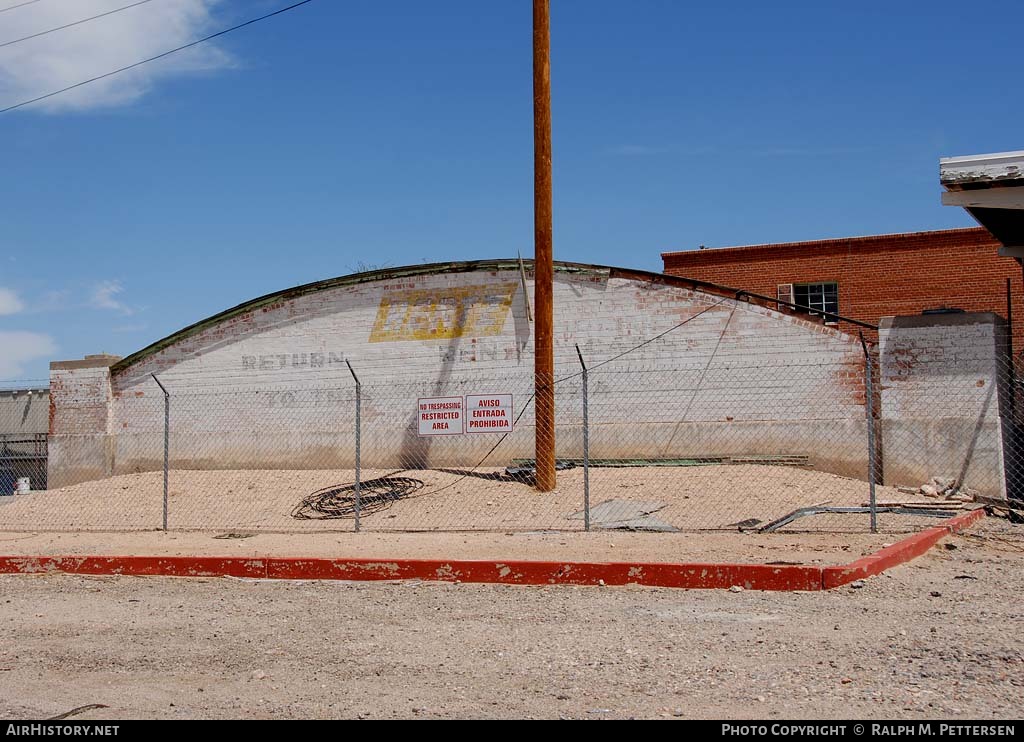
[{"x": 867, "y": 278}]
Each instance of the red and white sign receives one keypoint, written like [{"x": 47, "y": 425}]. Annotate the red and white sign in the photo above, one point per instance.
[
  {"x": 489, "y": 413},
  {"x": 441, "y": 416}
]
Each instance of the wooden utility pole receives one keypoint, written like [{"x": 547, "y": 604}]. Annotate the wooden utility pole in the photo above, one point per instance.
[{"x": 543, "y": 266}]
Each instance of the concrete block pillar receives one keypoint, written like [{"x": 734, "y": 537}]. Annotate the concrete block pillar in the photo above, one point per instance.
[
  {"x": 944, "y": 400},
  {"x": 82, "y": 444}
]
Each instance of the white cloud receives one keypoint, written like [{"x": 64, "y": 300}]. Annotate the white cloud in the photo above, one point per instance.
[
  {"x": 57, "y": 60},
  {"x": 104, "y": 297},
  {"x": 18, "y": 348},
  {"x": 9, "y": 302},
  {"x": 54, "y": 300}
]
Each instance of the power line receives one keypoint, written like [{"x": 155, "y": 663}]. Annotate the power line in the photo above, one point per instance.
[
  {"x": 69, "y": 25},
  {"x": 158, "y": 56},
  {"x": 19, "y": 5}
]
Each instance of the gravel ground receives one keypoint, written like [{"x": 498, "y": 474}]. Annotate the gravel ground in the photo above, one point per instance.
[
  {"x": 936, "y": 638},
  {"x": 696, "y": 497}
]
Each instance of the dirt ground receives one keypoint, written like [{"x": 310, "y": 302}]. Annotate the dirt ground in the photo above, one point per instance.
[
  {"x": 936, "y": 638},
  {"x": 696, "y": 498}
]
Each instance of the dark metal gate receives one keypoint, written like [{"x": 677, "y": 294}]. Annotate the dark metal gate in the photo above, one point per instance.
[{"x": 22, "y": 456}]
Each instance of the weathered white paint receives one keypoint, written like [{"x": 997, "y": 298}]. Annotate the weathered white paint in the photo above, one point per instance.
[
  {"x": 944, "y": 397},
  {"x": 269, "y": 387},
  {"x": 956, "y": 171}
]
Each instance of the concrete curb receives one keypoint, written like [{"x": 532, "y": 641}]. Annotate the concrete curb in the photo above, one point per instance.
[
  {"x": 904, "y": 551},
  {"x": 691, "y": 576}
]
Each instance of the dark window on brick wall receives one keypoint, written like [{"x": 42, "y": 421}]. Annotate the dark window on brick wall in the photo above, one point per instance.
[{"x": 817, "y": 297}]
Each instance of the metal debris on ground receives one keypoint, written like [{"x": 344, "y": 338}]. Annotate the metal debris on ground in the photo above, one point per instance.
[
  {"x": 1006, "y": 512},
  {"x": 748, "y": 524},
  {"x": 625, "y": 515},
  {"x": 646, "y": 524},
  {"x": 525, "y": 470},
  {"x": 941, "y": 512},
  {"x": 917, "y": 504}
]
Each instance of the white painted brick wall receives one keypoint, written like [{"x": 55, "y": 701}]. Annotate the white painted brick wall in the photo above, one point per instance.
[
  {"x": 736, "y": 363},
  {"x": 80, "y": 401},
  {"x": 606, "y": 317}
]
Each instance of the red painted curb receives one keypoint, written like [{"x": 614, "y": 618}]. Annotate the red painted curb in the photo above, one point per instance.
[
  {"x": 170, "y": 566},
  {"x": 706, "y": 576},
  {"x": 966, "y": 520},
  {"x": 701, "y": 576},
  {"x": 904, "y": 551},
  {"x": 691, "y": 576}
]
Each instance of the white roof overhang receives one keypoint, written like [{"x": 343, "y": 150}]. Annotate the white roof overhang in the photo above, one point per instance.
[{"x": 991, "y": 188}]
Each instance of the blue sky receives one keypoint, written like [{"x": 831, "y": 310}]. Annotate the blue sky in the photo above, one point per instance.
[{"x": 396, "y": 132}]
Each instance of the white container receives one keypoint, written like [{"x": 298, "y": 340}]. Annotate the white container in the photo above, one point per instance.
[{"x": 23, "y": 487}]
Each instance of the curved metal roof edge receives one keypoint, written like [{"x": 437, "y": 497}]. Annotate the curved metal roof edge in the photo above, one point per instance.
[{"x": 384, "y": 274}]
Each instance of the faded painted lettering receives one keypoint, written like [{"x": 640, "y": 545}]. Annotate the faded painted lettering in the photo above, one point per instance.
[
  {"x": 283, "y": 361},
  {"x": 421, "y": 314}
]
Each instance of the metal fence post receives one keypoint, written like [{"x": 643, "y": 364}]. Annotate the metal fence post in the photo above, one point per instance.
[
  {"x": 870, "y": 412},
  {"x": 359, "y": 409},
  {"x": 167, "y": 440},
  {"x": 586, "y": 445}
]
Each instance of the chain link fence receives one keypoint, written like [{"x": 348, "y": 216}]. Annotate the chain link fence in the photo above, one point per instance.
[{"x": 646, "y": 439}]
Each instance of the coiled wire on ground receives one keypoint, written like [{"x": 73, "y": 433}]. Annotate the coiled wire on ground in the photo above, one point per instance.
[{"x": 339, "y": 501}]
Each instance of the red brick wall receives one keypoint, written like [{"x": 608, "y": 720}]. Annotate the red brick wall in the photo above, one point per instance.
[{"x": 878, "y": 276}]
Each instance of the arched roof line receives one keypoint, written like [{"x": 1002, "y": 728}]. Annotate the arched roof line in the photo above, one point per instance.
[{"x": 385, "y": 274}]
